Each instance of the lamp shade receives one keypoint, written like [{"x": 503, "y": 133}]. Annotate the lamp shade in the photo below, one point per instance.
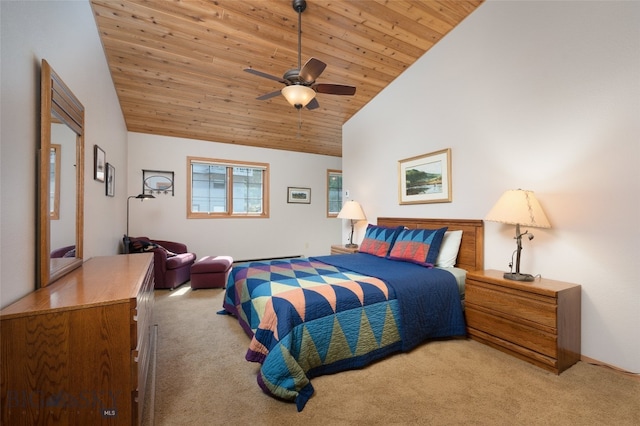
[
  {"x": 352, "y": 210},
  {"x": 144, "y": 196},
  {"x": 519, "y": 207},
  {"x": 298, "y": 95}
]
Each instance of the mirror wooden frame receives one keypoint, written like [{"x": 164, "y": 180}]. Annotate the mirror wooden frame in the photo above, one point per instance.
[{"x": 57, "y": 102}]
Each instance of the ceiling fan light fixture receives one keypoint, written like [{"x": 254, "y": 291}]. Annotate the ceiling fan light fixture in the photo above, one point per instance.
[{"x": 298, "y": 95}]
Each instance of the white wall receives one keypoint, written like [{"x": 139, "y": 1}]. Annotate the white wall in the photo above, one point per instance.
[
  {"x": 64, "y": 33},
  {"x": 286, "y": 232},
  {"x": 535, "y": 95}
]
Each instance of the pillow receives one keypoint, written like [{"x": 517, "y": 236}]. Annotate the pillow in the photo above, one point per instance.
[
  {"x": 140, "y": 245},
  {"x": 168, "y": 252},
  {"x": 449, "y": 249},
  {"x": 378, "y": 240},
  {"x": 419, "y": 246}
]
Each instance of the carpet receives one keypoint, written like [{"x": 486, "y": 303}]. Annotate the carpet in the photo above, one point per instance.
[{"x": 202, "y": 378}]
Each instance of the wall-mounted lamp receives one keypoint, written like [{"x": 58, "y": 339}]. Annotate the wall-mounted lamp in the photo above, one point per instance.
[
  {"x": 352, "y": 211},
  {"x": 519, "y": 207},
  {"x": 141, "y": 197}
]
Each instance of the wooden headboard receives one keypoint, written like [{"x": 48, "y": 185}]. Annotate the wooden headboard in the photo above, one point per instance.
[{"x": 471, "y": 254}]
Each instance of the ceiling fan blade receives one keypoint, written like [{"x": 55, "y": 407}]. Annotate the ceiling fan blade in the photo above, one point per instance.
[
  {"x": 268, "y": 95},
  {"x": 311, "y": 70},
  {"x": 265, "y": 75},
  {"x": 313, "y": 104},
  {"x": 334, "y": 89}
]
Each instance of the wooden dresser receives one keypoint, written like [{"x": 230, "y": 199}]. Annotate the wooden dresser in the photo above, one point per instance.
[
  {"x": 77, "y": 351},
  {"x": 536, "y": 321}
]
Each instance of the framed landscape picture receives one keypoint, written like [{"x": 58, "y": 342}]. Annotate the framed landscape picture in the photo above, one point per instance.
[
  {"x": 298, "y": 195},
  {"x": 425, "y": 178}
]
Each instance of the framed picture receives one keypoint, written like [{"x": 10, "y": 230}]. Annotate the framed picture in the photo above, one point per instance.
[
  {"x": 111, "y": 180},
  {"x": 299, "y": 195},
  {"x": 425, "y": 178},
  {"x": 99, "y": 163},
  {"x": 157, "y": 182}
]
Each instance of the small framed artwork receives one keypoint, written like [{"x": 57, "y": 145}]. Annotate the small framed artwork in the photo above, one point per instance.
[
  {"x": 425, "y": 178},
  {"x": 99, "y": 163},
  {"x": 298, "y": 195},
  {"x": 111, "y": 180},
  {"x": 157, "y": 182}
]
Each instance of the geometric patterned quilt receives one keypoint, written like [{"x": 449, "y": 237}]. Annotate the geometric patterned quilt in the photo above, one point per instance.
[{"x": 307, "y": 318}]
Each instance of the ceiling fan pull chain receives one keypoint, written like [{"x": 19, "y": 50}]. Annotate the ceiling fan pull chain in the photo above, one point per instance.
[{"x": 299, "y": 132}]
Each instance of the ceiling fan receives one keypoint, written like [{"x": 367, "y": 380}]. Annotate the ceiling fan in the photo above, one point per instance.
[{"x": 300, "y": 83}]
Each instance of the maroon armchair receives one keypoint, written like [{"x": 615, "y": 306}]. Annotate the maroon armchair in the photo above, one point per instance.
[
  {"x": 171, "y": 260},
  {"x": 68, "y": 251}
]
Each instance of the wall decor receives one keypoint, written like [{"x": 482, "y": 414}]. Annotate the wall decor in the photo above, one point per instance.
[
  {"x": 298, "y": 195},
  {"x": 111, "y": 180},
  {"x": 99, "y": 163},
  {"x": 157, "y": 182},
  {"x": 425, "y": 178}
]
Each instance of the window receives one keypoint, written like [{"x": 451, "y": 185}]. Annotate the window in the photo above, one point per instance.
[
  {"x": 223, "y": 188},
  {"x": 334, "y": 192}
]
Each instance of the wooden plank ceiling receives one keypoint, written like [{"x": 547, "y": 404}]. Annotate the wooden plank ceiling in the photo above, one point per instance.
[{"x": 178, "y": 65}]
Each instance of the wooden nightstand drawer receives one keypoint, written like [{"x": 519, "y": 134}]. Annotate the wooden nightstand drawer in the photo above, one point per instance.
[
  {"x": 530, "y": 308},
  {"x": 518, "y": 333}
]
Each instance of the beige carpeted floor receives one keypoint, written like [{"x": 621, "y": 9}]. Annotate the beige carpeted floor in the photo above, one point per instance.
[{"x": 202, "y": 378}]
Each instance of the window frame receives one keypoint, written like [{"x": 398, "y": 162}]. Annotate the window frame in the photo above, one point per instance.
[
  {"x": 229, "y": 164},
  {"x": 331, "y": 172}
]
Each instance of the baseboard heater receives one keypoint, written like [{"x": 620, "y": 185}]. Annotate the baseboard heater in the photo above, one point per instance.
[{"x": 295, "y": 256}]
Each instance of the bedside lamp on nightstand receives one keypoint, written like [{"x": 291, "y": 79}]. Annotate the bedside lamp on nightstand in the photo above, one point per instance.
[
  {"x": 352, "y": 211},
  {"x": 519, "y": 207}
]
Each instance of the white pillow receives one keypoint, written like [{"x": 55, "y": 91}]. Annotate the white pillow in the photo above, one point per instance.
[{"x": 449, "y": 249}]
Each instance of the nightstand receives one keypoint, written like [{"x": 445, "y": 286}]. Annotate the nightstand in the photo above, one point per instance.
[
  {"x": 338, "y": 249},
  {"x": 537, "y": 321}
]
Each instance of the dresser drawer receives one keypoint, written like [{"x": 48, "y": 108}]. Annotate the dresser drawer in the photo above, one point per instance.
[
  {"x": 512, "y": 303},
  {"x": 520, "y": 334}
]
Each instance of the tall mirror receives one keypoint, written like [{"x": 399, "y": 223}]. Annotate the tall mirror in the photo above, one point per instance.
[{"x": 61, "y": 186}]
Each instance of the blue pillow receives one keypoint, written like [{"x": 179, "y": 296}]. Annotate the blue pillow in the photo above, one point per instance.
[
  {"x": 419, "y": 246},
  {"x": 378, "y": 240}
]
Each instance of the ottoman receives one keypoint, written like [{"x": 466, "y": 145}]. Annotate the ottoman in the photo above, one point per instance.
[{"x": 211, "y": 272}]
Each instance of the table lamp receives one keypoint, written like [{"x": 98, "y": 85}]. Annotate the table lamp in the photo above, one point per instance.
[
  {"x": 352, "y": 211},
  {"x": 519, "y": 207}
]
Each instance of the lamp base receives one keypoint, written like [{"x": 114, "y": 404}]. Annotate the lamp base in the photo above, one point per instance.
[
  {"x": 125, "y": 244},
  {"x": 514, "y": 276},
  {"x": 351, "y": 245}
]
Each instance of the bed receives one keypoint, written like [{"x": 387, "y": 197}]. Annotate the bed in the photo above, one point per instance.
[{"x": 320, "y": 315}]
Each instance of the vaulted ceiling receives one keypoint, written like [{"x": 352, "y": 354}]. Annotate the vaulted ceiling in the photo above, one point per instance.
[{"x": 178, "y": 65}]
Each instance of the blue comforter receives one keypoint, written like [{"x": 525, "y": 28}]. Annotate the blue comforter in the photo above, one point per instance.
[
  {"x": 309, "y": 317},
  {"x": 424, "y": 299}
]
